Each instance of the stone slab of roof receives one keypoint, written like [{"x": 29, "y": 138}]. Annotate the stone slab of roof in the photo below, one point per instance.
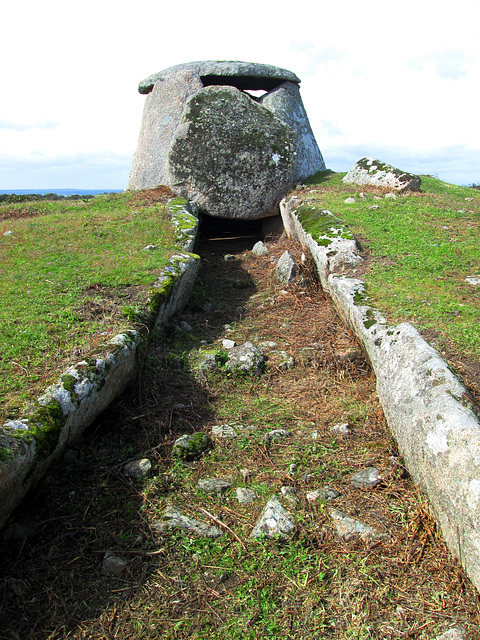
[{"x": 243, "y": 75}]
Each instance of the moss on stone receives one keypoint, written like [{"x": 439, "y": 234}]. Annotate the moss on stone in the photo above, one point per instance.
[
  {"x": 68, "y": 382},
  {"x": 44, "y": 428}
]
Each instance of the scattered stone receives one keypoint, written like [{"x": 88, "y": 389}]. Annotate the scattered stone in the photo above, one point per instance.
[
  {"x": 374, "y": 206},
  {"x": 191, "y": 446},
  {"x": 292, "y": 494},
  {"x": 150, "y": 247},
  {"x": 228, "y": 344},
  {"x": 276, "y": 436},
  {"x": 176, "y": 520},
  {"x": 286, "y": 269},
  {"x": 293, "y": 468},
  {"x": 216, "y": 486},
  {"x": 391, "y": 196},
  {"x": 226, "y": 431},
  {"x": 113, "y": 565},
  {"x": 274, "y": 521},
  {"x": 349, "y": 355},
  {"x": 267, "y": 345},
  {"x": 138, "y": 469},
  {"x": 367, "y": 478},
  {"x": 308, "y": 477},
  {"x": 342, "y": 429},
  {"x": 475, "y": 280},
  {"x": 186, "y": 326},
  {"x": 259, "y": 249},
  {"x": 228, "y": 256},
  {"x": 208, "y": 361},
  {"x": 281, "y": 360},
  {"x": 349, "y": 528},
  {"x": 8, "y": 233},
  {"x": 350, "y": 201},
  {"x": 457, "y": 633},
  {"x": 469, "y": 199},
  {"x": 314, "y": 435},
  {"x": 245, "y": 496},
  {"x": 326, "y": 493},
  {"x": 377, "y": 173},
  {"x": 245, "y": 359},
  {"x": 306, "y": 356}
]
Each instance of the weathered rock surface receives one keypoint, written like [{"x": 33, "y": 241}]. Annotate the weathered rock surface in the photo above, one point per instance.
[
  {"x": 259, "y": 249},
  {"x": 378, "y": 174},
  {"x": 113, "y": 565},
  {"x": 274, "y": 521},
  {"x": 230, "y": 155},
  {"x": 366, "y": 478},
  {"x": 243, "y": 75},
  {"x": 161, "y": 117},
  {"x": 175, "y": 519},
  {"x": 226, "y": 145},
  {"x": 286, "y": 103},
  {"x": 138, "y": 469},
  {"x": 245, "y": 359},
  {"x": 286, "y": 269},
  {"x": 191, "y": 446},
  {"x": 216, "y": 486},
  {"x": 349, "y": 528}
]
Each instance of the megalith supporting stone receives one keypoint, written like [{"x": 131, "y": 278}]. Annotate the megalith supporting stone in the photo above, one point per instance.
[
  {"x": 286, "y": 103},
  {"x": 161, "y": 117},
  {"x": 231, "y": 156},
  {"x": 232, "y": 153}
]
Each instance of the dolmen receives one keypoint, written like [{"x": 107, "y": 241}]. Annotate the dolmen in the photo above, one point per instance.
[{"x": 209, "y": 136}]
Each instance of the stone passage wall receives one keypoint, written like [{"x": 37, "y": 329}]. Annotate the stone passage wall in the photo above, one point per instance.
[
  {"x": 426, "y": 407},
  {"x": 233, "y": 154}
]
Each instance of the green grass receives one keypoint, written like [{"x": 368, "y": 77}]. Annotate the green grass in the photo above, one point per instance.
[
  {"x": 73, "y": 273},
  {"x": 422, "y": 246}
]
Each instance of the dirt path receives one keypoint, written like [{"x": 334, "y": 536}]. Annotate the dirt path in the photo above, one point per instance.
[{"x": 396, "y": 582}]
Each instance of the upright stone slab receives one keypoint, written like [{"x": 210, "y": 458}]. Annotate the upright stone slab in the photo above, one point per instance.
[
  {"x": 161, "y": 116},
  {"x": 286, "y": 103},
  {"x": 168, "y": 110},
  {"x": 230, "y": 155}
]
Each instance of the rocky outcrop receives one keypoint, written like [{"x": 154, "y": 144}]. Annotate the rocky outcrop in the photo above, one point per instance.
[
  {"x": 232, "y": 153},
  {"x": 369, "y": 171}
]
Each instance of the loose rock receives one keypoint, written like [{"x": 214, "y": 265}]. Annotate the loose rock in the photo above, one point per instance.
[
  {"x": 113, "y": 565},
  {"x": 245, "y": 496},
  {"x": 176, "y": 520},
  {"x": 274, "y": 521},
  {"x": 259, "y": 249},
  {"x": 276, "y": 436},
  {"x": 349, "y": 528},
  {"x": 367, "y": 478},
  {"x": 191, "y": 446},
  {"x": 245, "y": 359},
  {"x": 216, "y": 486},
  {"x": 138, "y": 469},
  {"x": 286, "y": 269}
]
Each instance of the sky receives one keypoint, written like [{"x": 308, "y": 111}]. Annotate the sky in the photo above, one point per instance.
[{"x": 394, "y": 80}]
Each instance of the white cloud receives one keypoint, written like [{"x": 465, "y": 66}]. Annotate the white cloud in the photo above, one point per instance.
[{"x": 402, "y": 76}]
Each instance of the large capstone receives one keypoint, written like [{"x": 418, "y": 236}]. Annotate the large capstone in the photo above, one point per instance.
[
  {"x": 233, "y": 153},
  {"x": 231, "y": 156}
]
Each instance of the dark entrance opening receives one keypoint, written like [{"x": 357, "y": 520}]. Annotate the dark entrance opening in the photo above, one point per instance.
[{"x": 228, "y": 235}]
